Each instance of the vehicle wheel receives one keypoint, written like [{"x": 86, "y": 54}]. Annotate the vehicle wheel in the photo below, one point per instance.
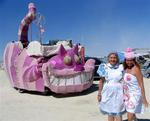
[
  {"x": 46, "y": 91},
  {"x": 15, "y": 88},
  {"x": 21, "y": 90}
]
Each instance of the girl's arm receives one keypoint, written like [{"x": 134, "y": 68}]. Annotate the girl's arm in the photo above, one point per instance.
[
  {"x": 100, "y": 87},
  {"x": 139, "y": 77}
]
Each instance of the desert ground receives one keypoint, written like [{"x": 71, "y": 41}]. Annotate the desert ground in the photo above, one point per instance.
[{"x": 30, "y": 106}]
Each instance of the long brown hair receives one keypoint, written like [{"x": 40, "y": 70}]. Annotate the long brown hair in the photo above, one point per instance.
[{"x": 126, "y": 66}]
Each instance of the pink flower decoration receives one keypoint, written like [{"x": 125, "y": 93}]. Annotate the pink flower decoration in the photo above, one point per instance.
[
  {"x": 128, "y": 78},
  {"x": 126, "y": 97},
  {"x": 125, "y": 87},
  {"x": 131, "y": 105}
]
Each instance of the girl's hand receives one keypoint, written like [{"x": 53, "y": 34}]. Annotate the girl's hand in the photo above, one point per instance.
[
  {"x": 99, "y": 96},
  {"x": 145, "y": 102}
]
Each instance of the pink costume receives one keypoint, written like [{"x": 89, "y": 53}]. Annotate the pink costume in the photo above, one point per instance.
[
  {"x": 132, "y": 91},
  {"x": 132, "y": 94}
]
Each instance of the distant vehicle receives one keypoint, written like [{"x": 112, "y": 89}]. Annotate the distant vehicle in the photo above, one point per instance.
[
  {"x": 144, "y": 61},
  {"x": 146, "y": 69}
]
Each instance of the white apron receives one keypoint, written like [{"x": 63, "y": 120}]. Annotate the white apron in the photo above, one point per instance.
[{"x": 112, "y": 93}]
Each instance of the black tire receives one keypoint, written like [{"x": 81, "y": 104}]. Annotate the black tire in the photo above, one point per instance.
[
  {"x": 21, "y": 90},
  {"x": 46, "y": 91}
]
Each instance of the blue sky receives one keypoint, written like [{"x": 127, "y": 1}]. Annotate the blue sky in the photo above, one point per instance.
[{"x": 101, "y": 26}]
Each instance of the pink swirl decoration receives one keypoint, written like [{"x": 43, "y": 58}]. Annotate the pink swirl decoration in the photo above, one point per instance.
[
  {"x": 128, "y": 78},
  {"x": 125, "y": 87},
  {"x": 131, "y": 105},
  {"x": 126, "y": 97}
]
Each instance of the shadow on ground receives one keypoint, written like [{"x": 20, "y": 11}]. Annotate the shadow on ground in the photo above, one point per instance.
[
  {"x": 92, "y": 89},
  {"x": 140, "y": 120},
  {"x": 46, "y": 93}
]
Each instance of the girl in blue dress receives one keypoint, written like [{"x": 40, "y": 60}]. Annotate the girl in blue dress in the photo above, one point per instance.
[{"x": 110, "y": 93}]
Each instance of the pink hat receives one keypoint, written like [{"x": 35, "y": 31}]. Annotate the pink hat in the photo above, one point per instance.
[{"x": 129, "y": 53}]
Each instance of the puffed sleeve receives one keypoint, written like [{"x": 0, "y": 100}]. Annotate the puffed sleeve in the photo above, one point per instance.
[
  {"x": 121, "y": 68},
  {"x": 101, "y": 70}
]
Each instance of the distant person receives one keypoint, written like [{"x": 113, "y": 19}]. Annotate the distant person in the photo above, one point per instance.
[
  {"x": 110, "y": 93},
  {"x": 134, "y": 92}
]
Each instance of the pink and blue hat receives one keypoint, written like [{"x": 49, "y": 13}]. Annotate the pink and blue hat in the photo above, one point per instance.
[{"x": 129, "y": 54}]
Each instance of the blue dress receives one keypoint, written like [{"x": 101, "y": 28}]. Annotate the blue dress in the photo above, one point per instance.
[{"x": 112, "y": 93}]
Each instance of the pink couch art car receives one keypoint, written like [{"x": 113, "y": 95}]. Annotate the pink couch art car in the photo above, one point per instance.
[{"x": 34, "y": 66}]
